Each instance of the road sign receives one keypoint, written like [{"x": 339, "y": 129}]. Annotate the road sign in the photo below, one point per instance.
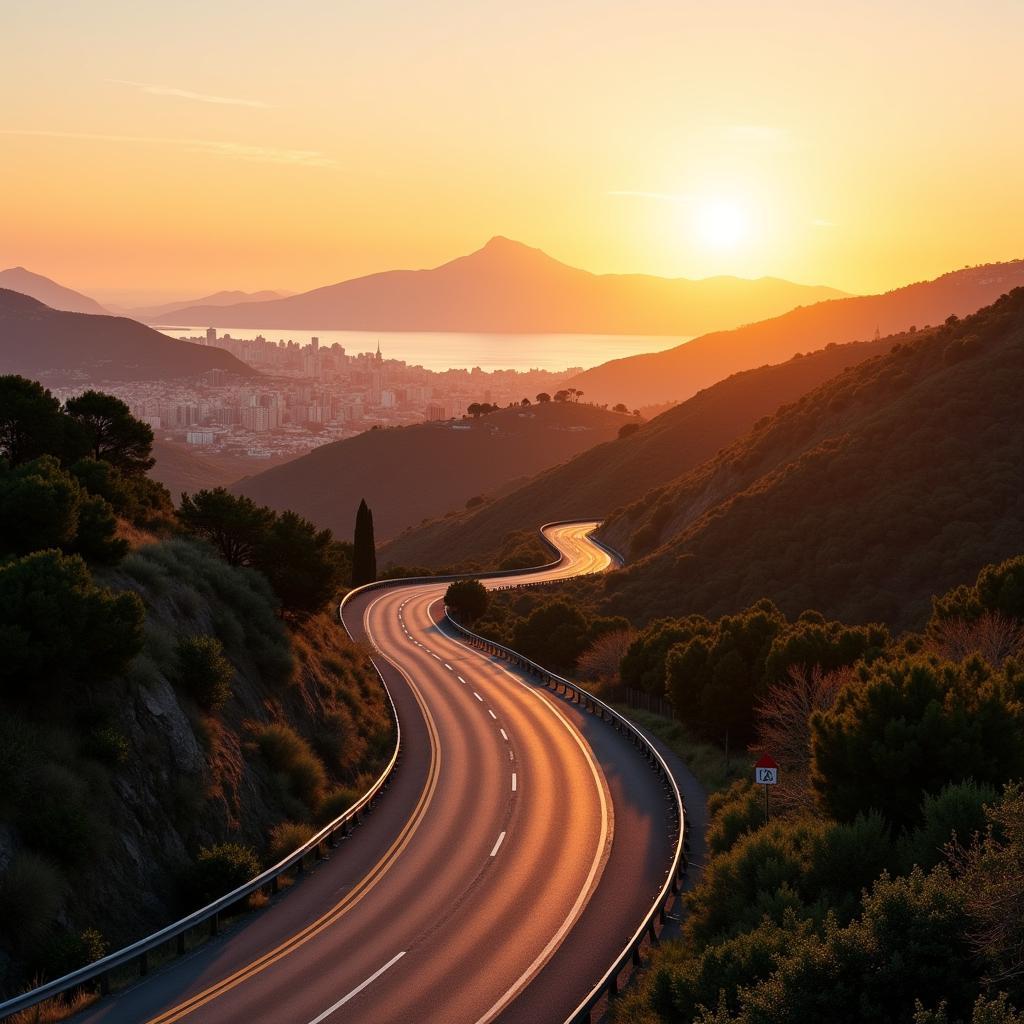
[{"x": 766, "y": 771}]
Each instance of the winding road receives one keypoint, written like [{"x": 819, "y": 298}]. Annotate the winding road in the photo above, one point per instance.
[{"x": 516, "y": 850}]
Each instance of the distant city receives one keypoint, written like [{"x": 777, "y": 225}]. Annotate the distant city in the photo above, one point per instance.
[{"x": 310, "y": 395}]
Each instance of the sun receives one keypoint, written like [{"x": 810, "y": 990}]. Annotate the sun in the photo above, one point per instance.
[{"x": 721, "y": 223}]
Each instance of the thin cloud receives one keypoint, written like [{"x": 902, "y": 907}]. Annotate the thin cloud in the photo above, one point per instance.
[
  {"x": 819, "y": 222},
  {"x": 188, "y": 94},
  {"x": 213, "y": 147}
]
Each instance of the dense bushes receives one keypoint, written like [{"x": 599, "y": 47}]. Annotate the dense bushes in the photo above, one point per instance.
[
  {"x": 59, "y": 631},
  {"x": 305, "y": 566},
  {"x": 910, "y": 728}
]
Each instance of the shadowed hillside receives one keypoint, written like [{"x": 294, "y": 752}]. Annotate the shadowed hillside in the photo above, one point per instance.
[
  {"x": 60, "y": 347},
  {"x": 510, "y": 287},
  {"x": 682, "y": 371},
  {"x": 896, "y": 480},
  {"x": 407, "y": 473},
  {"x": 605, "y": 477}
]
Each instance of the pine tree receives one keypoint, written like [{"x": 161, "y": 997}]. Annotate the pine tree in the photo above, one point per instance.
[{"x": 364, "y": 554}]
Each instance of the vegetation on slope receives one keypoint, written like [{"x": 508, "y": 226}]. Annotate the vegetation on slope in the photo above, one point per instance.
[
  {"x": 676, "y": 374},
  {"x": 606, "y": 476},
  {"x": 168, "y": 719},
  {"x": 886, "y": 886},
  {"x": 408, "y": 473},
  {"x": 899, "y": 476}
]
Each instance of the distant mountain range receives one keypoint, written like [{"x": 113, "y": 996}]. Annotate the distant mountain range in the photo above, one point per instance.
[
  {"x": 153, "y": 314},
  {"x": 607, "y": 476},
  {"x": 61, "y": 347},
  {"x": 407, "y": 473},
  {"x": 18, "y": 279},
  {"x": 677, "y": 373},
  {"x": 897, "y": 479},
  {"x": 508, "y": 287}
]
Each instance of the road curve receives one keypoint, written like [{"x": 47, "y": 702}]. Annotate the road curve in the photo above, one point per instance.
[{"x": 518, "y": 847}]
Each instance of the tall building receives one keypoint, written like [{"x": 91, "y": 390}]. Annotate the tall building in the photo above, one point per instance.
[{"x": 211, "y": 335}]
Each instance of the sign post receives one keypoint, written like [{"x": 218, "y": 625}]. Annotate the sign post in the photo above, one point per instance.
[{"x": 766, "y": 773}]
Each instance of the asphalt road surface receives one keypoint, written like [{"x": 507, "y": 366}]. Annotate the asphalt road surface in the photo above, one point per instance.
[{"x": 518, "y": 847}]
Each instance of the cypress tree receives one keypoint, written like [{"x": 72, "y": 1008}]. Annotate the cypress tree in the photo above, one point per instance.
[{"x": 364, "y": 554}]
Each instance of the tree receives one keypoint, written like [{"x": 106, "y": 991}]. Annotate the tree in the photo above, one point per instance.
[
  {"x": 600, "y": 662},
  {"x": 913, "y": 726},
  {"x": 235, "y": 525},
  {"x": 44, "y": 506},
  {"x": 620, "y": 407},
  {"x": 525, "y": 402},
  {"x": 543, "y": 397},
  {"x": 554, "y": 634},
  {"x": 305, "y": 566},
  {"x": 364, "y": 549},
  {"x": 114, "y": 434},
  {"x": 468, "y": 599},
  {"x": 561, "y": 396},
  {"x": 58, "y": 629},
  {"x": 32, "y": 424},
  {"x": 474, "y": 409}
]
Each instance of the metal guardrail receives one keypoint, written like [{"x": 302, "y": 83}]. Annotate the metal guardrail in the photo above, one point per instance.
[
  {"x": 608, "y": 984},
  {"x": 138, "y": 952}
]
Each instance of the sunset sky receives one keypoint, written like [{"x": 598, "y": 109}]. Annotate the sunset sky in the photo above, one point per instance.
[{"x": 170, "y": 149}]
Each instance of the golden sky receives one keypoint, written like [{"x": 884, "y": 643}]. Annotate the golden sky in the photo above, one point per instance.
[{"x": 174, "y": 149}]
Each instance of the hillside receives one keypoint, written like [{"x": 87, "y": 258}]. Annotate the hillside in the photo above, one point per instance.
[
  {"x": 894, "y": 481},
  {"x": 224, "y": 298},
  {"x": 60, "y": 347},
  {"x": 605, "y": 477},
  {"x": 180, "y": 468},
  {"x": 408, "y": 473},
  {"x": 510, "y": 287},
  {"x": 679, "y": 372},
  {"x": 18, "y": 279}
]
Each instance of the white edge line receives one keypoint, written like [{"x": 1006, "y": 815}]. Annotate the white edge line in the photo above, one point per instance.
[
  {"x": 492, "y": 714},
  {"x": 504, "y": 735},
  {"x": 359, "y": 988},
  {"x": 513, "y": 782},
  {"x": 501, "y": 839},
  {"x": 478, "y": 697}
]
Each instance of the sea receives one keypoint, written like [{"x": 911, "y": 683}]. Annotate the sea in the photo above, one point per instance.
[{"x": 442, "y": 351}]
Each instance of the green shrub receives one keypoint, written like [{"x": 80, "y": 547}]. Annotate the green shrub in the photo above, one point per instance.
[
  {"x": 734, "y": 813},
  {"x": 287, "y": 837},
  {"x": 204, "y": 671},
  {"x": 291, "y": 756},
  {"x": 219, "y": 869},
  {"x": 67, "y": 951},
  {"x": 337, "y": 801},
  {"x": 957, "y": 812}
]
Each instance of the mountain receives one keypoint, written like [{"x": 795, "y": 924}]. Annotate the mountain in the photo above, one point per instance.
[
  {"x": 229, "y": 298},
  {"x": 407, "y": 473},
  {"x": 18, "y": 279},
  {"x": 896, "y": 480},
  {"x": 603, "y": 478},
  {"x": 679, "y": 372},
  {"x": 59, "y": 347},
  {"x": 508, "y": 287}
]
